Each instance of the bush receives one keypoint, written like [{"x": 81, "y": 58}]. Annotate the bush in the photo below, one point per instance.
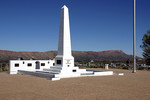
[
  {"x": 140, "y": 68},
  {"x": 81, "y": 67},
  {"x": 1, "y": 69},
  {"x": 6, "y": 69},
  {"x": 119, "y": 67},
  {"x": 96, "y": 67},
  {"x": 125, "y": 67}
]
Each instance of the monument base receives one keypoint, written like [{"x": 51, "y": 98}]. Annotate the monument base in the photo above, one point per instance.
[{"x": 55, "y": 75}]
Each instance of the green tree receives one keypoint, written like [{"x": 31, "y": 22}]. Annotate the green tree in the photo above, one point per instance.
[{"x": 146, "y": 47}]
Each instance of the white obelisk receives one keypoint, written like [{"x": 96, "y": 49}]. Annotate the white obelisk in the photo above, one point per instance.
[{"x": 64, "y": 57}]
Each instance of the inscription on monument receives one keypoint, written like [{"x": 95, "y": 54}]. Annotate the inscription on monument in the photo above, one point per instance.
[{"x": 68, "y": 61}]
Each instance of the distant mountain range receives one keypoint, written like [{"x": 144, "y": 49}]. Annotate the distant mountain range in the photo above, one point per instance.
[{"x": 111, "y": 55}]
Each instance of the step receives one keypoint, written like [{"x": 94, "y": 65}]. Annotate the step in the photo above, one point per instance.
[
  {"x": 56, "y": 78},
  {"x": 55, "y": 67},
  {"x": 38, "y": 74},
  {"x": 46, "y": 69},
  {"x": 87, "y": 73},
  {"x": 118, "y": 73},
  {"x": 52, "y": 72}
]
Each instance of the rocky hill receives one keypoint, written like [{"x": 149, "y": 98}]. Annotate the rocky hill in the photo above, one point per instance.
[{"x": 112, "y": 55}]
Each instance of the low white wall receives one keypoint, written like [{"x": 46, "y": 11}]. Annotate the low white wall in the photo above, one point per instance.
[{"x": 16, "y": 65}]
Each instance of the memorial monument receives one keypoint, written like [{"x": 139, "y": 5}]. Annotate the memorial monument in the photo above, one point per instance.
[{"x": 64, "y": 61}]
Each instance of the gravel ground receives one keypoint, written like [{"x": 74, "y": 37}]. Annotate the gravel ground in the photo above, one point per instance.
[{"x": 131, "y": 86}]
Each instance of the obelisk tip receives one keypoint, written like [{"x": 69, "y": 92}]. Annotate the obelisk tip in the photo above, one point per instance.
[{"x": 64, "y": 6}]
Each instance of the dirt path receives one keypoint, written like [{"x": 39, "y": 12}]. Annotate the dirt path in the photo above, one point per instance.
[{"x": 128, "y": 87}]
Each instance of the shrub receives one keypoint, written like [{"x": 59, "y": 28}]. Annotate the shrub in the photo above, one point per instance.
[
  {"x": 6, "y": 69},
  {"x": 1, "y": 69},
  {"x": 119, "y": 67},
  {"x": 96, "y": 67},
  {"x": 81, "y": 67},
  {"x": 140, "y": 68},
  {"x": 125, "y": 67}
]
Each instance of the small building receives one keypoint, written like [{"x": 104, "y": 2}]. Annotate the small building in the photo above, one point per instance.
[{"x": 29, "y": 65}]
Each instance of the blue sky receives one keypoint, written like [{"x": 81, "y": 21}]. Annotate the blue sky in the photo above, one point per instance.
[{"x": 96, "y": 25}]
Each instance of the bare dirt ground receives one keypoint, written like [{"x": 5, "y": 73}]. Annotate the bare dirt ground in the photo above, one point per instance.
[{"x": 131, "y": 86}]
